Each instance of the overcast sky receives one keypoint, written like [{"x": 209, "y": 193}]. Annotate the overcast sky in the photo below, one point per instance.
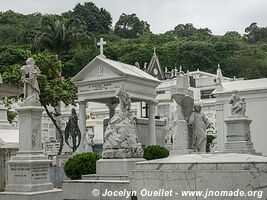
[{"x": 218, "y": 15}]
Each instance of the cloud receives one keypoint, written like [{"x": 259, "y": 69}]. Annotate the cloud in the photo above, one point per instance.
[{"x": 163, "y": 15}]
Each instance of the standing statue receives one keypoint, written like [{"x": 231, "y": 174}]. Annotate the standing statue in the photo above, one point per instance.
[
  {"x": 198, "y": 123},
  {"x": 120, "y": 137},
  {"x": 238, "y": 105},
  {"x": 72, "y": 131},
  {"x": 29, "y": 78},
  {"x": 125, "y": 102},
  {"x": 219, "y": 79}
]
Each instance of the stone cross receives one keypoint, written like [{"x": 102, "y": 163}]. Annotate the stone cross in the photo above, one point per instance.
[{"x": 101, "y": 43}]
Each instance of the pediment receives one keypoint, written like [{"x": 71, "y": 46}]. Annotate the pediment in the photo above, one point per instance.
[
  {"x": 101, "y": 71},
  {"x": 97, "y": 70}
]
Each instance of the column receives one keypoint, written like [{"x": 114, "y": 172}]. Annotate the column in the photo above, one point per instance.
[
  {"x": 112, "y": 109},
  {"x": 82, "y": 117},
  {"x": 152, "y": 124},
  {"x": 221, "y": 135}
]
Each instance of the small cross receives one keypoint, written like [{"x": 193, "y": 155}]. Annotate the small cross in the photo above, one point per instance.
[{"x": 101, "y": 44}]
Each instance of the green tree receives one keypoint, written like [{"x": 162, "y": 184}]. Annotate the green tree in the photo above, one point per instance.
[
  {"x": 53, "y": 90},
  {"x": 188, "y": 30},
  {"x": 95, "y": 19},
  {"x": 130, "y": 26},
  {"x": 255, "y": 34},
  {"x": 58, "y": 36}
]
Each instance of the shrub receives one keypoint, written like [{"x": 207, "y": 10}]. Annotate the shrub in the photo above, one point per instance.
[
  {"x": 81, "y": 164},
  {"x": 2, "y": 189},
  {"x": 155, "y": 152},
  {"x": 210, "y": 138}
]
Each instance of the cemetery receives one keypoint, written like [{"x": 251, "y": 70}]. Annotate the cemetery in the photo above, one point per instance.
[{"x": 116, "y": 131}]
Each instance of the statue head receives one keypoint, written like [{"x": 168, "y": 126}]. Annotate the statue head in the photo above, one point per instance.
[
  {"x": 235, "y": 92},
  {"x": 73, "y": 111},
  {"x": 30, "y": 61},
  {"x": 197, "y": 107}
]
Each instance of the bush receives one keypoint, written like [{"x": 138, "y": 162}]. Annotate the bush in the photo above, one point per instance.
[
  {"x": 210, "y": 138},
  {"x": 81, "y": 164},
  {"x": 155, "y": 152},
  {"x": 2, "y": 189}
]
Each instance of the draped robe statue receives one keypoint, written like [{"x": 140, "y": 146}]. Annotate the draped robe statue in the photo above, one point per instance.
[
  {"x": 198, "y": 123},
  {"x": 31, "y": 86}
]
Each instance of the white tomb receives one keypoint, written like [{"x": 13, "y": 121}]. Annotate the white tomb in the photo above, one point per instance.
[{"x": 99, "y": 80}]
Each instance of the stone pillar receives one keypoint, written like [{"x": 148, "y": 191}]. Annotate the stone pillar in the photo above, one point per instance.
[
  {"x": 112, "y": 109},
  {"x": 82, "y": 117},
  {"x": 221, "y": 133},
  {"x": 152, "y": 124},
  {"x": 82, "y": 126}
]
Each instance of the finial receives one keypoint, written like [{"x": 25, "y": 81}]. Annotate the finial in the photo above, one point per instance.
[
  {"x": 219, "y": 66},
  {"x": 166, "y": 69},
  {"x": 175, "y": 71},
  {"x": 101, "y": 43},
  {"x": 180, "y": 69},
  {"x": 137, "y": 65},
  {"x": 154, "y": 50},
  {"x": 145, "y": 65}
]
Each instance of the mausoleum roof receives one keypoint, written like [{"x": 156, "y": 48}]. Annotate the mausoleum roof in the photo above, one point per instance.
[
  {"x": 120, "y": 67},
  {"x": 100, "y": 80},
  {"x": 8, "y": 90},
  {"x": 9, "y": 136},
  {"x": 243, "y": 85},
  {"x": 129, "y": 69}
]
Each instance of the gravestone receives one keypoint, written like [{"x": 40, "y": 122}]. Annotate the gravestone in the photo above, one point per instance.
[{"x": 28, "y": 171}]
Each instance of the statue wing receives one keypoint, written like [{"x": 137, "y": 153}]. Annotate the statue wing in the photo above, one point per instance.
[{"x": 188, "y": 104}]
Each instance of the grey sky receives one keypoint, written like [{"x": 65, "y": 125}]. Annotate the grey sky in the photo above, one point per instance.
[{"x": 163, "y": 15}]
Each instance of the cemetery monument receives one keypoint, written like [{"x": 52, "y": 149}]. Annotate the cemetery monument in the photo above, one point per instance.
[
  {"x": 238, "y": 137},
  {"x": 28, "y": 171}
]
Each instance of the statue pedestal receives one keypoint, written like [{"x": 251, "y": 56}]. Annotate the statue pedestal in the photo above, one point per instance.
[
  {"x": 29, "y": 170},
  {"x": 238, "y": 135}
]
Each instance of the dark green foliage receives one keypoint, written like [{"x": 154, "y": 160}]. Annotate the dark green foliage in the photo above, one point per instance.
[
  {"x": 155, "y": 152},
  {"x": 210, "y": 138},
  {"x": 72, "y": 36},
  {"x": 95, "y": 19},
  {"x": 11, "y": 115},
  {"x": 130, "y": 26},
  {"x": 81, "y": 164}
]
